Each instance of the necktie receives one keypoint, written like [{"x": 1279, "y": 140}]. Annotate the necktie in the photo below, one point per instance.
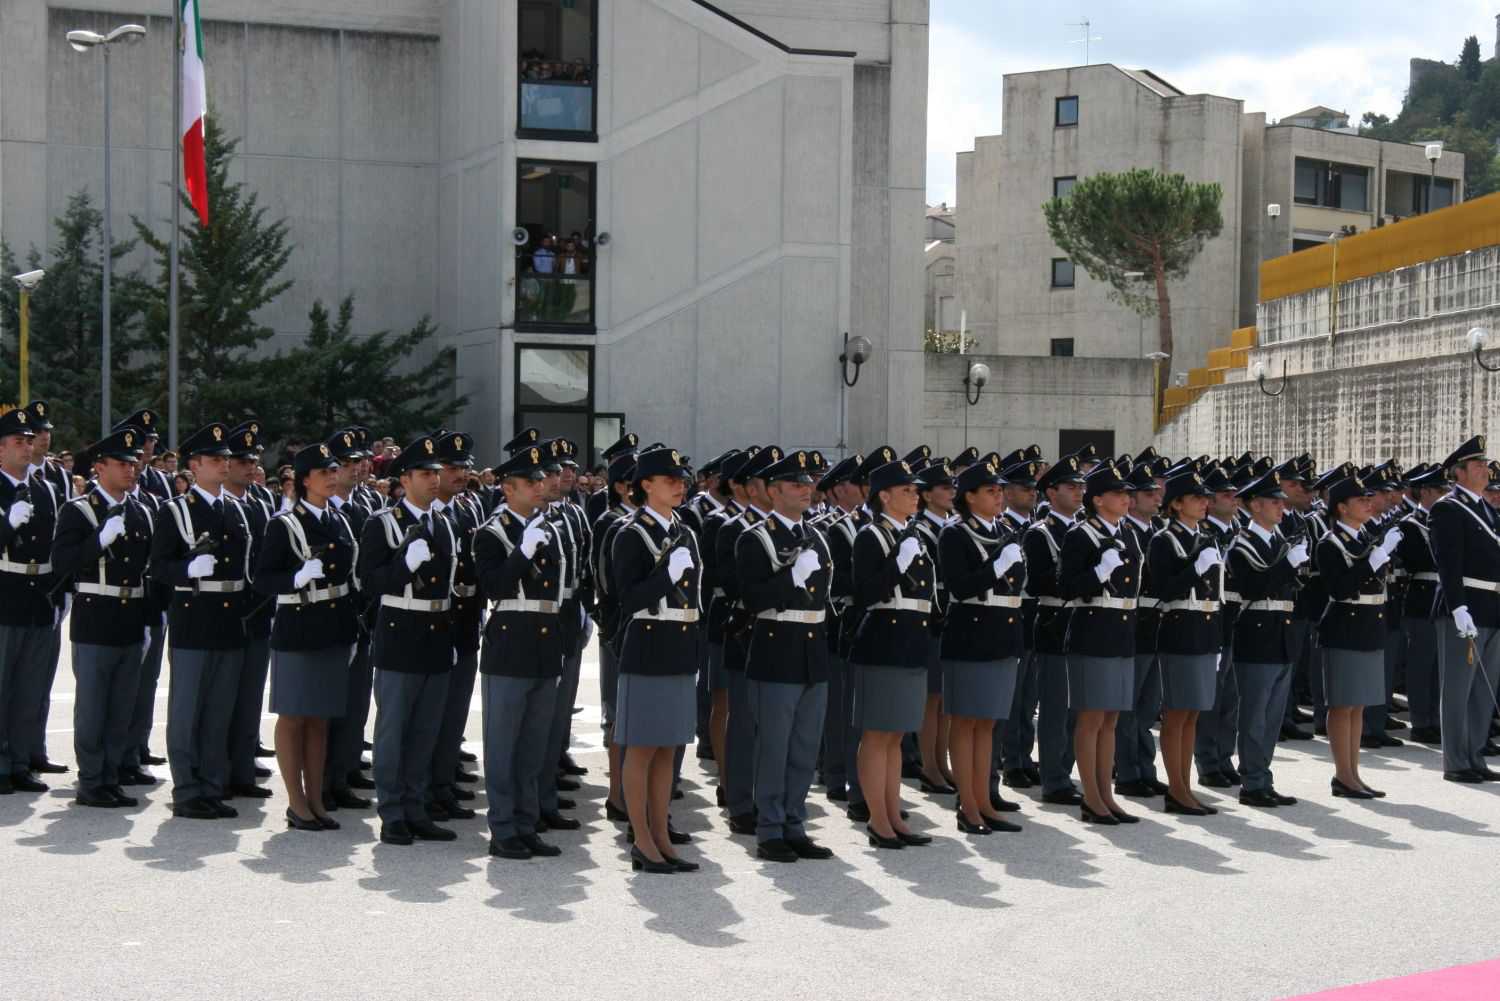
[{"x": 427, "y": 523}]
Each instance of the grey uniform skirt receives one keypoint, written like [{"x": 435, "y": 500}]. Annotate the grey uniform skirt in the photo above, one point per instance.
[
  {"x": 1101, "y": 683},
  {"x": 890, "y": 699},
  {"x": 1189, "y": 680},
  {"x": 979, "y": 689},
  {"x": 311, "y": 682},
  {"x": 656, "y": 710},
  {"x": 1353, "y": 677}
]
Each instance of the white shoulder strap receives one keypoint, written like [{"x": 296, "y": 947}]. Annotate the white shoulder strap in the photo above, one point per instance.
[{"x": 296, "y": 533}]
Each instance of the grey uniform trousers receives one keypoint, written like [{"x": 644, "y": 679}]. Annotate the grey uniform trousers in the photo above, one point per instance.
[
  {"x": 788, "y": 724},
  {"x": 1467, "y": 693},
  {"x": 1375, "y": 716},
  {"x": 445, "y": 760},
  {"x": 1263, "y": 690},
  {"x": 560, "y": 727},
  {"x": 143, "y": 715},
  {"x": 1422, "y": 671},
  {"x": 1054, "y": 723},
  {"x": 517, "y": 716},
  {"x": 1018, "y": 730},
  {"x": 738, "y": 774},
  {"x": 408, "y": 715},
  {"x": 106, "y": 679},
  {"x": 244, "y": 725},
  {"x": 346, "y": 733},
  {"x": 1135, "y": 748},
  {"x": 1301, "y": 654},
  {"x": 200, "y": 704},
  {"x": 41, "y": 691},
  {"x": 24, "y": 655},
  {"x": 1214, "y": 746}
]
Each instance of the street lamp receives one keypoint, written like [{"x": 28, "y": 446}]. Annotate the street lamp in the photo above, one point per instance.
[
  {"x": 1273, "y": 212},
  {"x": 1157, "y": 357},
  {"x": 1434, "y": 154},
  {"x": 1478, "y": 338},
  {"x": 1258, "y": 373},
  {"x": 857, "y": 351},
  {"x": 28, "y": 283},
  {"x": 978, "y": 376},
  {"x": 84, "y": 41}
]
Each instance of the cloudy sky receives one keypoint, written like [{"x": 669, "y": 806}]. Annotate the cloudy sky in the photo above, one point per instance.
[{"x": 1279, "y": 56}]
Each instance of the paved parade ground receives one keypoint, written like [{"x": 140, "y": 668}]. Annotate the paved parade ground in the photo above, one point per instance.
[{"x": 1250, "y": 904}]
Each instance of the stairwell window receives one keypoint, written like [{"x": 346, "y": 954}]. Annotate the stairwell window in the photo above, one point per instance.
[
  {"x": 1067, "y": 112},
  {"x": 1062, "y": 272}
]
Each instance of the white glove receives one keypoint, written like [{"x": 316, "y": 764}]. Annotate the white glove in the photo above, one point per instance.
[
  {"x": 1391, "y": 541},
  {"x": 112, "y": 530},
  {"x": 533, "y": 538},
  {"x": 1009, "y": 557},
  {"x": 20, "y": 514},
  {"x": 311, "y": 570},
  {"x": 807, "y": 564},
  {"x": 910, "y": 547},
  {"x": 1107, "y": 564},
  {"x": 679, "y": 562},
  {"x": 416, "y": 554},
  {"x": 1208, "y": 558},
  {"x": 1465, "y": 622},
  {"x": 201, "y": 566},
  {"x": 1297, "y": 555},
  {"x": 1379, "y": 558}
]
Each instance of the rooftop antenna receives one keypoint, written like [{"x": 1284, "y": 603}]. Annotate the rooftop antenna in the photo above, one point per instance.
[{"x": 1086, "y": 39}]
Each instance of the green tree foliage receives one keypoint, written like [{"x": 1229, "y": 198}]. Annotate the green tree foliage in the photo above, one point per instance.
[
  {"x": 1469, "y": 65},
  {"x": 66, "y": 329},
  {"x": 1141, "y": 221}
]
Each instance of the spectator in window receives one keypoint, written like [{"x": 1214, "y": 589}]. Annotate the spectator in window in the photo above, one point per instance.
[
  {"x": 571, "y": 261},
  {"x": 544, "y": 258}
]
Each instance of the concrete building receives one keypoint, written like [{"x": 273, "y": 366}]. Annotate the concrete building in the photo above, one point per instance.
[
  {"x": 657, "y": 213},
  {"x": 943, "y": 313}
]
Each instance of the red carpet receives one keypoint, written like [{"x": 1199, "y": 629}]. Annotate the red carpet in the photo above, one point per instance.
[{"x": 1477, "y": 982}]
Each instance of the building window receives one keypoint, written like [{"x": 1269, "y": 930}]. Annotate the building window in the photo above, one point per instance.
[
  {"x": 1067, "y": 112},
  {"x": 1062, "y": 272},
  {"x": 1062, "y": 347},
  {"x": 555, "y": 264},
  {"x": 559, "y": 57},
  {"x": 1062, "y": 187},
  {"x": 555, "y": 392},
  {"x": 1332, "y": 185},
  {"x": 1441, "y": 194}
]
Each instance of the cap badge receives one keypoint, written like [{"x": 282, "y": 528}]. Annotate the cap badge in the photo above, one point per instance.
[
  {"x": 41, "y": 409},
  {"x": 859, "y": 459},
  {"x": 802, "y": 459},
  {"x": 886, "y": 454},
  {"x": 218, "y": 433},
  {"x": 323, "y": 450},
  {"x": 677, "y": 459},
  {"x": 249, "y": 438},
  {"x": 536, "y": 456},
  {"x": 905, "y": 468},
  {"x": 129, "y": 440},
  {"x": 427, "y": 444},
  {"x": 348, "y": 439},
  {"x": 632, "y": 439},
  {"x": 21, "y": 416}
]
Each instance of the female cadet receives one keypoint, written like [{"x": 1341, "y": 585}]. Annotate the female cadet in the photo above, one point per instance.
[
  {"x": 306, "y": 562},
  {"x": 894, "y": 587},
  {"x": 655, "y": 561},
  {"x": 1352, "y": 630},
  {"x": 1099, "y": 575},
  {"x": 982, "y": 637},
  {"x": 935, "y": 511},
  {"x": 1183, "y": 566}
]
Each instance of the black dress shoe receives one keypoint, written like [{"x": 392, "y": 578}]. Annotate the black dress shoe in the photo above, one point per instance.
[
  {"x": 1392, "y": 723},
  {"x": 742, "y": 824},
  {"x": 1291, "y": 731},
  {"x": 463, "y": 795},
  {"x": 640, "y": 862},
  {"x": 1000, "y": 804},
  {"x": 1386, "y": 740},
  {"x": 261, "y": 751},
  {"x": 540, "y": 848},
  {"x": 1137, "y": 787},
  {"x": 858, "y": 812},
  {"x": 1215, "y": 780},
  {"x": 1158, "y": 786},
  {"x": 935, "y": 788},
  {"x": 876, "y": 841},
  {"x": 1034, "y": 774},
  {"x": 965, "y": 826},
  {"x": 345, "y": 799},
  {"x": 296, "y": 823},
  {"x": 1063, "y": 797},
  {"x": 251, "y": 791},
  {"x": 452, "y": 810},
  {"x": 365, "y": 765},
  {"x": 44, "y": 767},
  {"x": 1102, "y": 819},
  {"x": 147, "y": 758},
  {"x": 195, "y": 809},
  {"x": 426, "y": 830},
  {"x": 913, "y": 839},
  {"x": 468, "y": 757},
  {"x": 775, "y": 850},
  {"x": 26, "y": 782},
  {"x": 223, "y": 809},
  {"x": 1172, "y": 805},
  {"x": 1125, "y": 818},
  {"x": 1000, "y": 825},
  {"x": 837, "y": 794},
  {"x": 1284, "y": 800},
  {"x": 705, "y": 751},
  {"x": 1300, "y": 715},
  {"x": 809, "y": 849},
  {"x": 676, "y": 837},
  {"x": 1263, "y": 798},
  {"x": 467, "y": 778},
  {"x": 1344, "y": 792},
  {"x": 1232, "y": 775},
  {"x": 121, "y": 797},
  {"x": 1467, "y": 776},
  {"x": 1321, "y": 729},
  {"x": 1427, "y": 735},
  {"x": 557, "y": 822},
  {"x": 100, "y": 798},
  {"x": 1370, "y": 742},
  {"x": 358, "y": 781},
  {"x": 615, "y": 813},
  {"x": 566, "y": 784},
  {"x": 136, "y": 777},
  {"x": 1016, "y": 778},
  {"x": 262, "y": 773},
  {"x": 677, "y": 792},
  {"x": 1490, "y": 749},
  {"x": 511, "y": 848},
  {"x": 365, "y": 745},
  {"x": 571, "y": 767},
  {"x": 565, "y": 803},
  {"x": 1488, "y": 774}
]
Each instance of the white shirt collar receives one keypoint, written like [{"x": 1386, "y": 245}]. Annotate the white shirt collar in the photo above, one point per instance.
[
  {"x": 13, "y": 480},
  {"x": 416, "y": 512},
  {"x": 113, "y": 502},
  {"x": 665, "y": 523},
  {"x": 941, "y": 521},
  {"x": 1347, "y": 527},
  {"x": 1016, "y": 516},
  {"x": 1216, "y": 521},
  {"x": 789, "y": 523},
  {"x": 317, "y": 511},
  {"x": 899, "y": 524},
  {"x": 988, "y": 525},
  {"x": 1457, "y": 486},
  {"x": 438, "y": 505},
  {"x": 1142, "y": 525},
  {"x": 1113, "y": 530},
  {"x": 211, "y": 498},
  {"x": 763, "y": 514},
  {"x": 336, "y": 501},
  {"x": 1265, "y": 535}
]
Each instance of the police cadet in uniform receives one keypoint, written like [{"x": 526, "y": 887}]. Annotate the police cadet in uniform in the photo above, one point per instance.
[
  {"x": 600, "y": 500},
  {"x": 103, "y": 544},
  {"x": 1419, "y": 607},
  {"x": 408, "y": 557},
  {"x": 1465, "y": 535},
  {"x": 935, "y": 511},
  {"x": 1017, "y": 733},
  {"x": 306, "y": 563},
  {"x": 152, "y": 489},
  {"x": 838, "y": 527},
  {"x": 518, "y": 561},
  {"x": 51, "y": 487},
  {"x": 201, "y": 548},
  {"x": 1135, "y": 750},
  {"x": 1262, "y": 570},
  {"x": 1214, "y": 746},
  {"x": 731, "y": 497},
  {"x": 618, "y": 479},
  {"x": 244, "y": 724},
  {"x": 151, "y": 480}
]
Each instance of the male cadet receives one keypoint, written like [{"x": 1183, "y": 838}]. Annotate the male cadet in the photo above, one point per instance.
[
  {"x": 1421, "y": 627},
  {"x": 151, "y": 480},
  {"x": 1135, "y": 749},
  {"x": 1297, "y": 526},
  {"x": 201, "y": 548},
  {"x": 843, "y": 499},
  {"x": 1313, "y": 598},
  {"x": 607, "y": 613},
  {"x": 1262, "y": 569},
  {"x": 244, "y": 723},
  {"x": 408, "y": 556},
  {"x": 599, "y": 500},
  {"x": 464, "y": 517},
  {"x": 1062, "y": 485},
  {"x": 783, "y": 569},
  {"x": 568, "y": 507},
  {"x": 1018, "y": 731},
  {"x": 1466, "y": 548},
  {"x": 518, "y": 559},
  {"x": 28, "y": 618},
  {"x": 346, "y": 733},
  {"x": 103, "y": 544},
  {"x": 1214, "y": 747}
]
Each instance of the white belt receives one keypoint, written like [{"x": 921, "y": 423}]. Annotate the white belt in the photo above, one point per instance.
[
  {"x": 1232, "y": 598},
  {"x": 1271, "y": 605},
  {"x": 216, "y": 586},
  {"x": 313, "y": 595},
  {"x": 465, "y": 590},
  {"x": 25, "y": 569},
  {"x": 1147, "y": 602},
  {"x": 995, "y": 601},
  {"x": 1047, "y": 601},
  {"x": 668, "y": 615},
  {"x": 1426, "y": 576},
  {"x": 1189, "y": 605},
  {"x": 1125, "y": 604},
  {"x": 806, "y": 618},
  {"x": 1367, "y": 599},
  {"x": 415, "y": 604},
  {"x": 1482, "y": 585},
  {"x": 109, "y": 590},
  {"x": 526, "y": 605},
  {"x": 904, "y": 605}
]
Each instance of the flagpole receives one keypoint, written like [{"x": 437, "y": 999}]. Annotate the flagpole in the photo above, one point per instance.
[{"x": 172, "y": 330}]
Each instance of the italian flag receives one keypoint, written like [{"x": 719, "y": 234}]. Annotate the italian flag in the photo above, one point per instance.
[{"x": 194, "y": 110}]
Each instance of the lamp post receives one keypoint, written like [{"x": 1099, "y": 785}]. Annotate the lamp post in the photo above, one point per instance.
[
  {"x": 857, "y": 351},
  {"x": 1434, "y": 154},
  {"x": 1273, "y": 212},
  {"x": 1157, "y": 357},
  {"x": 977, "y": 376},
  {"x": 84, "y": 41},
  {"x": 28, "y": 283}
]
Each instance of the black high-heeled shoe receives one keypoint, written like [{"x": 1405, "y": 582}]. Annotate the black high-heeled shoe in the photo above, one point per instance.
[
  {"x": 915, "y": 840},
  {"x": 680, "y": 864},
  {"x": 1125, "y": 818},
  {"x": 1345, "y": 792},
  {"x": 935, "y": 788},
  {"x": 1000, "y": 825},
  {"x": 1102, "y": 819},
  {"x": 1172, "y": 805},
  {"x": 876, "y": 841},
  {"x": 296, "y": 823},
  {"x": 1373, "y": 792},
  {"x": 966, "y": 827},
  {"x": 326, "y": 822},
  {"x": 639, "y": 862}
]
